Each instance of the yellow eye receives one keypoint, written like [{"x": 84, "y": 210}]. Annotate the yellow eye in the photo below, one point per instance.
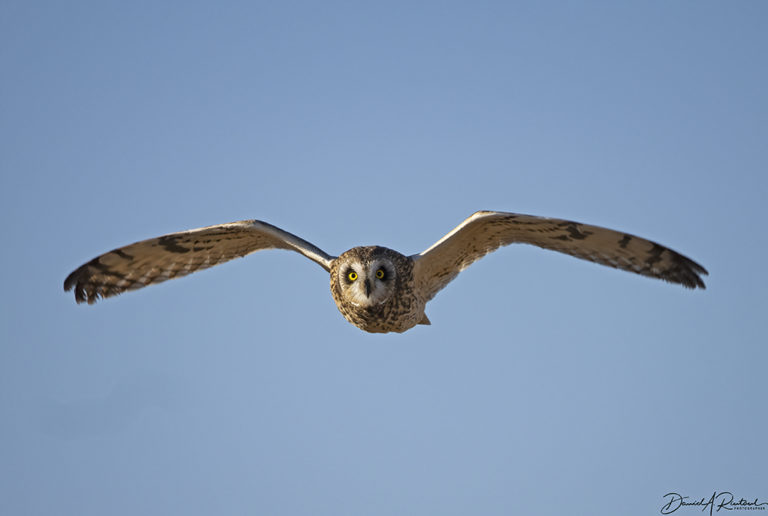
[
  {"x": 352, "y": 275},
  {"x": 380, "y": 274}
]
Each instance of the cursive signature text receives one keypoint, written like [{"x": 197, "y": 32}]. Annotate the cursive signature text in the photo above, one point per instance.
[{"x": 722, "y": 500}]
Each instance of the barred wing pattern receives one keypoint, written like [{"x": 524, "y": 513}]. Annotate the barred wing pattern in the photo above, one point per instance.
[
  {"x": 178, "y": 254},
  {"x": 486, "y": 231}
]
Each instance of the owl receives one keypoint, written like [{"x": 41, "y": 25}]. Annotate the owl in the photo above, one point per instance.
[{"x": 375, "y": 288}]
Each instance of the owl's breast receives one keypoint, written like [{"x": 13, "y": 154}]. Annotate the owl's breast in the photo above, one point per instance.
[{"x": 396, "y": 315}]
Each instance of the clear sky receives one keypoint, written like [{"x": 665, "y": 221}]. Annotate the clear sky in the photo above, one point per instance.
[{"x": 545, "y": 385}]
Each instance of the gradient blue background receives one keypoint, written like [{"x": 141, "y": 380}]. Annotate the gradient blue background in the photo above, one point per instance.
[{"x": 545, "y": 385}]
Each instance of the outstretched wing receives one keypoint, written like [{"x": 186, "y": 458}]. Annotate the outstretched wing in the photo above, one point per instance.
[
  {"x": 486, "y": 231},
  {"x": 178, "y": 254}
]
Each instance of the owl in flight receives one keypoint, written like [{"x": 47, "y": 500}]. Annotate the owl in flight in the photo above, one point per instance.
[{"x": 377, "y": 289}]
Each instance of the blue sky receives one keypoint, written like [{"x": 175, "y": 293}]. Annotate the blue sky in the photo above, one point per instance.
[{"x": 545, "y": 385}]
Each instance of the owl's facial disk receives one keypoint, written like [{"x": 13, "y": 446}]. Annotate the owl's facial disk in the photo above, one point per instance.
[{"x": 367, "y": 284}]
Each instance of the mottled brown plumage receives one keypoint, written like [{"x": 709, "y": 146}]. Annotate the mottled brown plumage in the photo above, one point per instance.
[
  {"x": 375, "y": 288},
  {"x": 401, "y": 310}
]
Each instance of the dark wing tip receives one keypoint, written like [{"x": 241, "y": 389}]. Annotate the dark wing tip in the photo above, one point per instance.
[
  {"x": 84, "y": 291},
  {"x": 90, "y": 284},
  {"x": 686, "y": 272}
]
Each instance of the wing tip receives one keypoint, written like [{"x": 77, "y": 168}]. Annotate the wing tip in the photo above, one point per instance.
[
  {"x": 687, "y": 273},
  {"x": 73, "y": 282},
  {"x": 85, "y": 290}
]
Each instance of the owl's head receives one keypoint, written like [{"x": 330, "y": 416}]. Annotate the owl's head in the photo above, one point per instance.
[{"x": 366, "y": 276}]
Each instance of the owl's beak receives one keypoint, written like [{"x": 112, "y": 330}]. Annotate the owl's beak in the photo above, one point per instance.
[{"x": 367, "y": 287}]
